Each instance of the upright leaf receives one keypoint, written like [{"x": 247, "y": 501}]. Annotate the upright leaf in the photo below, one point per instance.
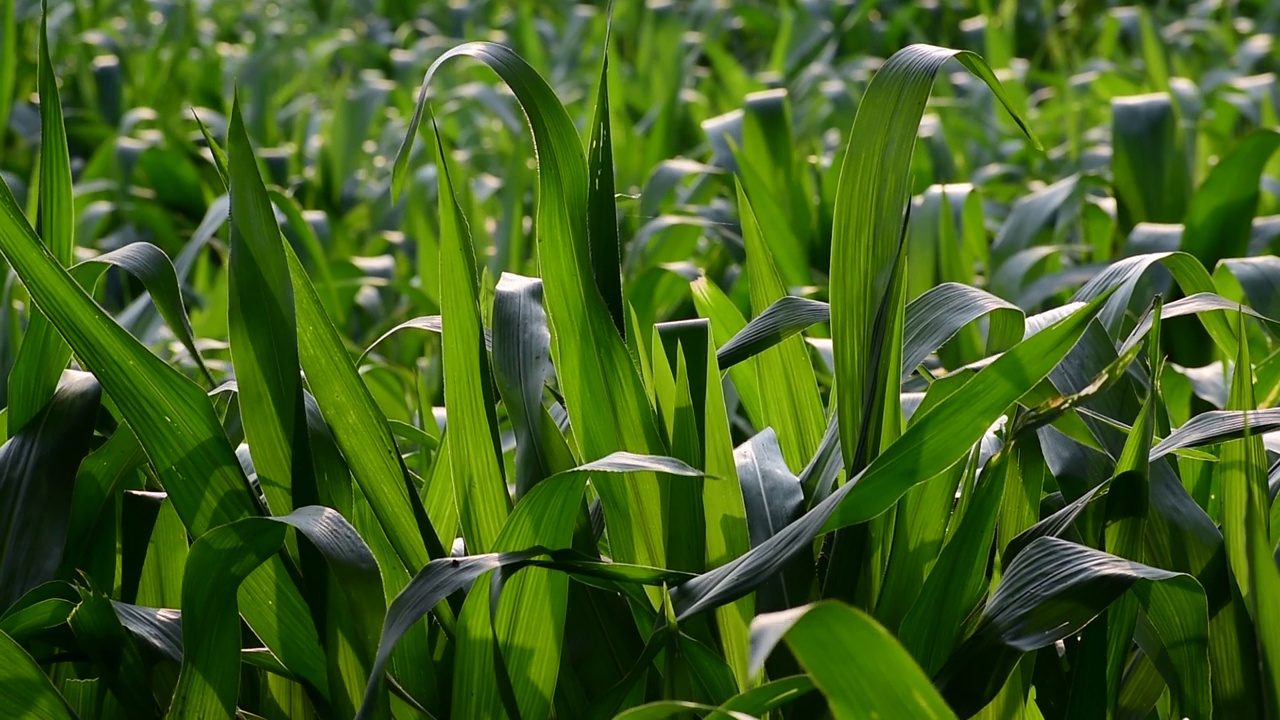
[
  {"x": 43, "y": 354},
  {"x": 788, "y": 387},
  {"x": 37, "y": 470},
  {"x": 176, "y": 426},
  {"x": 29, "y": 691},
  {"x": 521, "y": 365},
  {"x": 871, "y": 202},
  {"x": 1148, "y": 164},
  {"x": 602, "y": 389},
  {"x": 602, "y": 213},
  {"x": 1221, "y": 212},
  {"x": 1241, "y": 479},
  {"x": 479, "y": 488},
  {"x": 264, "y": 334},
  {"x": 220, "y": 560}
]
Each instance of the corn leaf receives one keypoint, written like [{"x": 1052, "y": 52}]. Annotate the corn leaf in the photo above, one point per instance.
[
  {"x": 29, "y": 690},
  {"x": 479, "y": 488},
  {"x": 855, "y": 663},
  {"x": 601, "y": 387},
  {"x": 44, "y": 353}
]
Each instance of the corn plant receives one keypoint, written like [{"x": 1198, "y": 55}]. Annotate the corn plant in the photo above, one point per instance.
[{"x": 346, "y": 401}]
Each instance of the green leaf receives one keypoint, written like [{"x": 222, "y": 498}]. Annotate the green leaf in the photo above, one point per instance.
[
  {"x": 29, "y": 693},
  {"x": 529, "y": 621},
  {"x": 1053, "y": 590},
  {"x": 727, "y": 323},
  {"x": 940, "y": 312},
  {"x": 264, "y": 335},
  {"x": 758, "y": 172},
  {"x": 99, "y": 479},
  {"x": 680, "y": 351},
  {"x": 23, "y": 619},
  {"x": 935, "y": 624},
  {"x": 99, "y": 633},
  {"x": 1242, "y": 484},
  {"x": 773, "y": 498},
  {"x": 441, "y": 578},
  {"x": 152, "y": 268},
  {"x": 1264, "y": 591},
  {"x": 871, "y": 202},
  {"x": 724, "y": 514},
  {"x": 857, "y": 665},
  {"x": 479, "y": 488},
  {"x": 37, "y": 472},
  {"x": 1215, "y": 426},
  {"x": 425, "y": 323},
  {"x": 220, "y": 560},
  {"x": 174, "y": 422},
  {"x": 44, "y": 354},
  {"x": 788, "y": 387},
  {"x": 359, "y": 427},
  {"x": 602, "y": 213},
  {"x": 932, "y": 443},
  {"x": 749, "y": 704},
  {"x": 1150, "y": 177},
  {"x": 1221, "y": 212},
  {"x": 601, "y": 387},
  {"x": 1123, "y": 276},
  {"x": 522, "y": 365},
  {"x": 1191, "y": 305},
  {"x": 8, "y": 60},
  {"x": 1259, "y": 277},
  {"x": 785, "y": 317},
  {"x": 160, "y": 583}
]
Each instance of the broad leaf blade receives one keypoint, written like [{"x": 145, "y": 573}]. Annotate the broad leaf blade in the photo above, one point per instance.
[
  {"x": 856, "y": 664},
  {"x": 29, "y": 693},
  {"x": 930, "y": 445},
  {"x": 43, "y": 355},
  {"x": 37, "y": 471},
  {"x": 479, "y": 488},
  {"x": 871, "y": 202},
  {"x": 602, "y": 389},
  {"x": 264, "y": 335}
]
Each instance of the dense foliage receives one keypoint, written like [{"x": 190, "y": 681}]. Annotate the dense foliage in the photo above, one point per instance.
[{"x": 747, "y": 359}]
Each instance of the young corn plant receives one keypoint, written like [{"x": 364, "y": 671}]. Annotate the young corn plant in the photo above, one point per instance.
[{"x": 970, "y": 483}]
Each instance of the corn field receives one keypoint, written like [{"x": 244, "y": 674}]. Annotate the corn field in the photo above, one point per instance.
[{"x": 646, "y": 359}]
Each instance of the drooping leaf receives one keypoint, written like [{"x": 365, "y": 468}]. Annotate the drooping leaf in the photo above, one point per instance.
[
  {"x": 1215, "y": 426},
  {"x": 1054, "y": 589},
  {"x": 930, "y": 445},
  {"x": 939, "y": 313},
  {"x": 152, "y": 268},
  {"x": 221, "y": 559},
  {"x": 441, "y": 578},
  {"x": 787, "y": 316}
]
